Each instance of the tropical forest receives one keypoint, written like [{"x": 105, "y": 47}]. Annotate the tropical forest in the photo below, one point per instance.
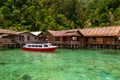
[{"x": 41, "y": 15}]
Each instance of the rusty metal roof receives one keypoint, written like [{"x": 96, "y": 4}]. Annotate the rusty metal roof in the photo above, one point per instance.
[
  {"x": 6, "y": 31},
  {"x": 89, "y": 32},
  {"x": 64, "y": 33}
]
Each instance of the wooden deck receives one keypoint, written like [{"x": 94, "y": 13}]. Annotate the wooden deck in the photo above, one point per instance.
[
  {"x": 66, "y": 45},
  {"x": 87, "y": 46},
  {"x": 4, "y": 46}
]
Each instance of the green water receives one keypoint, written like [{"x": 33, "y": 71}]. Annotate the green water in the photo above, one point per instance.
[{"x": 61, "y": 65}]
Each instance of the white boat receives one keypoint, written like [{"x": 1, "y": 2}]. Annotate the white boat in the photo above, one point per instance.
[{"x": 47, "y": 47}]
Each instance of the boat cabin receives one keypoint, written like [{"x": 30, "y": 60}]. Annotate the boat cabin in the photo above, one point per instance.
[{"x": 38, "y": 45}]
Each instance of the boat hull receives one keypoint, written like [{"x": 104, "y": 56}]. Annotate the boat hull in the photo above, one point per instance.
[{"x": 40, "y": 49}]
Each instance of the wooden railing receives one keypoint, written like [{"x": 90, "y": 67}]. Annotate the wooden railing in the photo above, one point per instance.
[
  {"x": 67, "y": 42},
  {"x": 4, "y": 40},
  {"x": 117, "y": 42},
  {"x": 78, "y": 42}
]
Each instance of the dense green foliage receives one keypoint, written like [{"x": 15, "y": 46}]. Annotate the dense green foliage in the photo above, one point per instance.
[{"x": 34, "y": 15}]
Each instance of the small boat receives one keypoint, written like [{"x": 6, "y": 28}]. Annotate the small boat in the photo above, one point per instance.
[{"x": 47, "y": 47}]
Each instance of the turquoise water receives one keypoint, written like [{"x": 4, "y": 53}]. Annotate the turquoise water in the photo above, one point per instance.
[{"x": 63, "y": 64}]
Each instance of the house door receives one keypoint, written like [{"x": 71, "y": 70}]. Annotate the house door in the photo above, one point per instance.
[{"x": 104, "y": 40}]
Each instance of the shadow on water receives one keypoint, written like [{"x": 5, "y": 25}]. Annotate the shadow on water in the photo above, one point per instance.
[
  {"x": 39, "y": 52},
  {"x": 63, "y": 64},
  {"x": 111, "y": 52},
  {"x": 106, "y": 75},
  {"x": 2, "y": 63},
  {"x": 31, "y": 55},
  {"x": 6, "y": 63},
  {"x": 26, "y": 77}
]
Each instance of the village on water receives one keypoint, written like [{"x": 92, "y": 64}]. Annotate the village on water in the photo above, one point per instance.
[{"x": 101, "y": 37}]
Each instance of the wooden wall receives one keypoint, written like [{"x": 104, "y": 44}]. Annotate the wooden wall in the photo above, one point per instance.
[
  {"x": 8, "y": 39},
  {"x": 50, "y": 37},
  {"x": 31, "y": 40},
  {"x": 100, "y": 40}
]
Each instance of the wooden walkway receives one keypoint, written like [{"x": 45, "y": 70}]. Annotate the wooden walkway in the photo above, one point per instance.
[
  {"x": 4, "y": 46},
  {"x": 89, "y": 46}
]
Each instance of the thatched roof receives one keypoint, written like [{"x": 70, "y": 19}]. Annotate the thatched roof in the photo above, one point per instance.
[
  {"x": 6, "y": 31},
  {"x": 73, "y": 32},
  {"x": 101, "y": 31}
]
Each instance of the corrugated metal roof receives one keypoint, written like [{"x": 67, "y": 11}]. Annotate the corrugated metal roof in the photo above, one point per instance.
[{"x": 101, "y": 31}]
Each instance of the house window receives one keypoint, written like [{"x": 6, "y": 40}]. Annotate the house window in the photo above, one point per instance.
[
  {"x": 109, "y": 39},
  {"x": 94, "y": 39},
  {"x": 74, "y": 38},
  {"x": 64, "y": 38},
  {"x": 17, "y": 39},
  {"x": 86, "y": 39},
  {"x": 36, "y": 39},
  {"x": 28, "y": 38},
  {"x": 20, "y": 39},
  {"x": 57, "y": 39},
  {"x": 119, "y": 38}
]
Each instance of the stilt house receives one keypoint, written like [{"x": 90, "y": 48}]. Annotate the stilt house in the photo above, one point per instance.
[
  {"x": 8, "y": 36},
  {"x": 65, "y": 36},
  {"x": 102, "y": 35}
]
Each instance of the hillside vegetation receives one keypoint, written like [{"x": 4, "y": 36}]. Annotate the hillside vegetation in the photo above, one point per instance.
[{"x": 35, "y": 15}]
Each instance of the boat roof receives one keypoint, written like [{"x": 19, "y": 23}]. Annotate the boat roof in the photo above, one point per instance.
[{"x": 37, "y": 44}]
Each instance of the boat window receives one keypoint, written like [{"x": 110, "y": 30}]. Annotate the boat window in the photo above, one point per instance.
[
  {"x": 29, "y": 45},
  {"x": 33, "y": 46},
  {"x": 50, "y": 44},
  {"x": 36, "y": 45},
  {"x": 45, "y": 45},
  {"x": 40, "y": 45}
]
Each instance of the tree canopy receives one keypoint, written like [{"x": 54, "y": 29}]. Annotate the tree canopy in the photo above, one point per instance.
[{"x": 35, "y": 15}]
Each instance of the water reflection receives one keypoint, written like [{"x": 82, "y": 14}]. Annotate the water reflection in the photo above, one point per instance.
[
  {"x": 60, "y": 65},
  {"x": 110, "y": 52},
  {"x": 32, "y": 53},
  {"x": 38, "y": 57}
]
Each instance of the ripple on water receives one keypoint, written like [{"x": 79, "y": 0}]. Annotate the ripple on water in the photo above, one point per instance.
[{"x": 64, "y": 64}]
